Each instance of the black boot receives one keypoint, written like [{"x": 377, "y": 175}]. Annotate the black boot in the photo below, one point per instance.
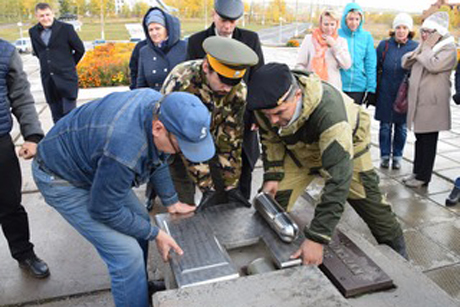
[{"x": 35, "y": 266}]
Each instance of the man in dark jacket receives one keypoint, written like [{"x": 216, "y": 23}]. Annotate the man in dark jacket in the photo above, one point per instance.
[
  {"x": 15, "y": 97},
  {"x": 225, "y": 17},
  {"x": 59, "y": 49}
]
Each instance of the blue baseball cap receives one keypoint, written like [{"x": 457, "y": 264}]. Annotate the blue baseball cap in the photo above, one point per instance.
[{"x": 186, "y": 117}]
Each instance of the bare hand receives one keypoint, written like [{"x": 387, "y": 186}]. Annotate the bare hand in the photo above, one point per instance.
[
  {"x": 432, "y": 40},
  {"x": 310, "y": 252},
  {"x": 271, "y": 187},
  {"x": 165, "y": 243},
  {"x": 28, "y": 150},
  {"x": 180, "y": 208},
  {"x": 330, "y": 41},
  {"x": 254, "y": 127}
]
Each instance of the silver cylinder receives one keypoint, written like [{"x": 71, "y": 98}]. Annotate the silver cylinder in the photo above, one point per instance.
[{"x": 276, "y": 217}]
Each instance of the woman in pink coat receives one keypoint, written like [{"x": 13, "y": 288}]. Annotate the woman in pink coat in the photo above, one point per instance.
[{"x": 324, "y": 52}]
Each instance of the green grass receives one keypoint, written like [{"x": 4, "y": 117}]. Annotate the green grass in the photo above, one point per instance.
[{"x": 114, "y": 29}]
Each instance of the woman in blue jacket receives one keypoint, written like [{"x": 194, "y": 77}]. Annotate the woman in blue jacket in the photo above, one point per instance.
[
  {"x": 393, "y": 129},
  {"x": 358, "y": 82},
  {"x": 163, "y": 51}
]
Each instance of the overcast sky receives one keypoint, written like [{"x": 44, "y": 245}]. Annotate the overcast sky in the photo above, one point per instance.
[{"x": 415, "y": 6}]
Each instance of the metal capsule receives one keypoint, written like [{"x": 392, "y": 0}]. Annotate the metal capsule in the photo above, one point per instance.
[{"x": 276, "y": 217}]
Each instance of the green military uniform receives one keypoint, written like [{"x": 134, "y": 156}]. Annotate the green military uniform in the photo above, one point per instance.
[
  {"x": 331, "y": 137},
  {"x": 229, "y": 59}
]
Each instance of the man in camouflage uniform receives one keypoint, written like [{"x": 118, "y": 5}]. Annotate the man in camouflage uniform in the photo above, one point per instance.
[
  {"x": 309, "y": 128},
  {"x": 216, "y": 80}
]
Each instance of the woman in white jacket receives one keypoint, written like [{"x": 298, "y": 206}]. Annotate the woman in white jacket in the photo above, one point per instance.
[{"x": 324, "y": 52}]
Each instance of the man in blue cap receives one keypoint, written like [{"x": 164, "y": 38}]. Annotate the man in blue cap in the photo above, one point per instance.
[{"x": 89, "y": 162}]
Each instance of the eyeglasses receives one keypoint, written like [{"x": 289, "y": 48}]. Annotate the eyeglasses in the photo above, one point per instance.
[{"x": 427, "y": 31}]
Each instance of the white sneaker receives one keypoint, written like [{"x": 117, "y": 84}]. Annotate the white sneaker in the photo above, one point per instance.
[
  {"x": 414, "y": 183},
  {"x": 410, "y": 177}
]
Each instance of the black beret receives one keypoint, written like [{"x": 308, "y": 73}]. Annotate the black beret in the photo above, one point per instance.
[{"x": 267, "y": 85}]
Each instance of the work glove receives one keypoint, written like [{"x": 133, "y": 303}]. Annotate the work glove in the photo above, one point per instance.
[
  {"x": 370, "y": 100},
  {"x": 207, "y": 200},
  {"x": 235, "y": 196},
  {"x": 457, "y": 98}
]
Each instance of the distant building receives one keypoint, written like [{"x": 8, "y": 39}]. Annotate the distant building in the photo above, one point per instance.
[
  {"x": 152, "y": 3},
  {"x": 437, "y": 5}
]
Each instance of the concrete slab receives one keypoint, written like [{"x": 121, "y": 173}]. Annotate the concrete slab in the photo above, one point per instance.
[
  {"x": 270, "y": 289},
  {"x": 437, "y": 185},
  {"x": 406, "y": 169},
  {"x": 74, "y": 264},
  {"x": 101, "y": 298},
  {"x": 441, "y": 200},
  {"x": 453, "y": 155},
  {"x": 450, "y": 174},
  {"x": 413, "y": 287},
  {"x": 425, "y": 254},
  {"x": 393, "y": 190},
  {"x": 445, "y": 234},
  {"x": 447, "y": 278},
  {"x": 446, "y": 147},
  {"x": 418, "y": 211},
  {"x": 442, "y": 163}
]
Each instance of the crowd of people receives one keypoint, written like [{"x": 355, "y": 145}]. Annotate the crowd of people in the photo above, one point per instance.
[{"x": 192, "y": 120}]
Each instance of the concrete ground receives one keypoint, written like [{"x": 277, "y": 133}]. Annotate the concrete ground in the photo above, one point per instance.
[{"x": 79, "y": 277}]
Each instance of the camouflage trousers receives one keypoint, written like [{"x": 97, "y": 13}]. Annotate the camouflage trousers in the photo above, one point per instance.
[
  {"x": 185, "y": 185},
  {"x": 364, "y": 195}
]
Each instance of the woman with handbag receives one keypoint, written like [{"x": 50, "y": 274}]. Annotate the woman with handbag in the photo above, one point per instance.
[
  {"x": 324, "y": 52},
  {"x": 429, "y": 94},
  {"x": 390, "y": 75}
]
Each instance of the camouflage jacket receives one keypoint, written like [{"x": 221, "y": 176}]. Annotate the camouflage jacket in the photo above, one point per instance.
[
  {"x": 330, "y": 131},
  {"x": 226, "y": 126}
]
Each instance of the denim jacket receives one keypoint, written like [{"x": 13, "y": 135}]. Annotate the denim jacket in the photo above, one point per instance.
[{"x": 107, "y": 147}]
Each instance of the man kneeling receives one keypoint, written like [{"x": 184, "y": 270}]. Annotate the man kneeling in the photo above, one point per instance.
[
  {"x": 309, "y": 127},
  {"x": 88, "y": 163}
]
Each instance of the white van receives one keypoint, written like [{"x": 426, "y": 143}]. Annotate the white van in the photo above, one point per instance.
[{"x": 23, "y": 45}]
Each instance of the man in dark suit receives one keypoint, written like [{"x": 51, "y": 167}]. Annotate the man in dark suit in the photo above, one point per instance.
[
  {"x": 225, "y": 17},
  {"x": 59, "y": 49}
]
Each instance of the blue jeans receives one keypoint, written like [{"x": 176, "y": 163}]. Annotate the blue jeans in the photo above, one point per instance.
[
  {"x": 389, "y": 144},
  {"x": 124, "y": 256}
]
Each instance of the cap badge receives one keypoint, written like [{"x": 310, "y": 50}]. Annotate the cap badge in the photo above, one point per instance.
[{"x": 203, "y": 133}]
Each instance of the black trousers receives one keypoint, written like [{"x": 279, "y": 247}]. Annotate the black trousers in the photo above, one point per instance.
[
  {"x": 58, "y": 105},
  {"x": 356, "y": 96},
  {"x": 13, "y": 217},
  {"x": 425, "y": 154}
]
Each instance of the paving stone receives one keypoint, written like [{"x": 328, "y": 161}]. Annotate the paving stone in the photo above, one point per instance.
[
  {"x": 418, "y": 211},
  {"x": 75, "y": 266},
  {"x": 437, "y": 185},
  {"x": 406, "y": 169},
  {"x": 451, "y": 173},
  {"x": 445, "y": 234},
  {"x": 446, "y": 147},
  {"x": 425, "y": 254},
  {"x": 440, "y": 199},
  {"x": 393, "y": 190},
  {"x": 448, "y": 278},
  {"x": 442, "y": 163},
  {"x": 453, "y": 155}
]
